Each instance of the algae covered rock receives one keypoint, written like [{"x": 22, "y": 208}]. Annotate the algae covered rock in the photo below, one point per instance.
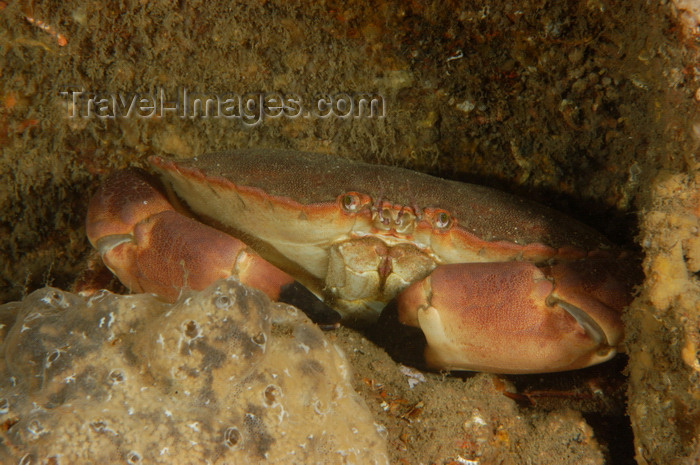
[{"x": 222, "y": 377}]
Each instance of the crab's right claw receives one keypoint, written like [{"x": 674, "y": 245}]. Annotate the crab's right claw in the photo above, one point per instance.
[
  {"x": 515, "y": 317},
  {"x": 153, "y": 248}
]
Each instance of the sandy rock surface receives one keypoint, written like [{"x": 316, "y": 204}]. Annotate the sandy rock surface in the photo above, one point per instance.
[{"x": 224, "y": 376}]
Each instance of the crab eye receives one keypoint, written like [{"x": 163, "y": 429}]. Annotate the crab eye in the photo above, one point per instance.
[
  {"x": 442, "y": 220},
  {"x": 350, "y": 202}
]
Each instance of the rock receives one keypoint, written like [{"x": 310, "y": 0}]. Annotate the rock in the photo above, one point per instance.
[{"x": 223, "y": 376}]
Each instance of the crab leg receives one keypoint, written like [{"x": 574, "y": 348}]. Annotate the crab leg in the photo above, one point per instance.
[
  {"x": 153, "y": 248},
  {"x": 516, "y": 317}
]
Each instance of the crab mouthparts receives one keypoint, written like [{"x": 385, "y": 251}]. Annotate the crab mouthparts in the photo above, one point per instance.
[{"x": 385, "y": 267}]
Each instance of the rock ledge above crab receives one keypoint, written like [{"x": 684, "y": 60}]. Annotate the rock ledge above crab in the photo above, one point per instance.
[{"x": 496, "y": 283}]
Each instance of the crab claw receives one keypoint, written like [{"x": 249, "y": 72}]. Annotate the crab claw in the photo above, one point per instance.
[
  {"x": 153, "y": 248},
  {"x": 516, "y": 317}
]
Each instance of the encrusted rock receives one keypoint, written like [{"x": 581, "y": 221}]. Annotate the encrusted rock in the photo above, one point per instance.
[{"x": 224, "y": 376}]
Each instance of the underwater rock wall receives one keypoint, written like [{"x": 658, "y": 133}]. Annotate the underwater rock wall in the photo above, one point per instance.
[
  {"x": 224, "y": 376},
  {"x": 664, "y": 326}
]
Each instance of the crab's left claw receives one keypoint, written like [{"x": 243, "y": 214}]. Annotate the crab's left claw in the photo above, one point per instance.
[
  {"x": 516, "y": 317},
  {"x": 152, "y": 248}
]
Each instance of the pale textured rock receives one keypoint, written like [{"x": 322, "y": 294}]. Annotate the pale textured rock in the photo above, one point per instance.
[{"x": 224, "y": 376}]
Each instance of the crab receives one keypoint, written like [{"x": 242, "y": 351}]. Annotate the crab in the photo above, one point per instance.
[{"x": 496, "y": 283}]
